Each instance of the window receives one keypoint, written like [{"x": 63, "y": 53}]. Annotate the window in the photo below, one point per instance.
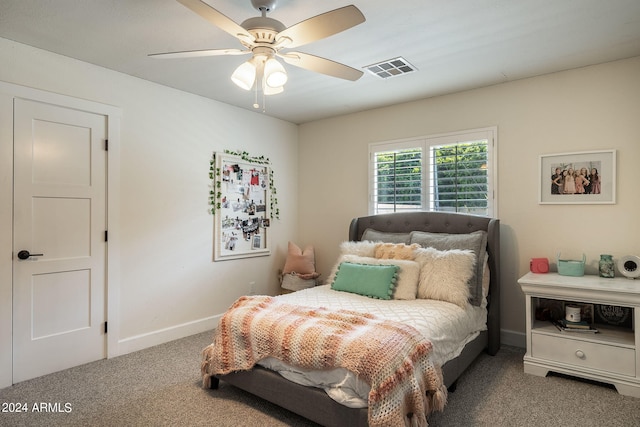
[{"x": 452, "y": 173}]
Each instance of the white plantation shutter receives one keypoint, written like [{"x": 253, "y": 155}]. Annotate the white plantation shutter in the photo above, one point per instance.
[
  {"x": 397, "y": 180},
  {"x": 452, "y": 173}
]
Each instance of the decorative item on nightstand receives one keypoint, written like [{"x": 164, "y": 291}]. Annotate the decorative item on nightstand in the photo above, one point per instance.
[
  {"x": 614, "y": 315},
  {"x": 606, "y": 266},
  {"x": 572, "y": 313},
  {"x": 568, "y": 267},
  {"x": 539, "y": 265},
  {"x": 629, "y": 266}
]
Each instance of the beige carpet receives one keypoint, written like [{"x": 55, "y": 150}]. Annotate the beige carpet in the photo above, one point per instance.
[{"x": 160, "y": 386}]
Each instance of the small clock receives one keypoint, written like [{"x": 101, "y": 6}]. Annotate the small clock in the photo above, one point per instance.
[{"x": 629, "y": 266}]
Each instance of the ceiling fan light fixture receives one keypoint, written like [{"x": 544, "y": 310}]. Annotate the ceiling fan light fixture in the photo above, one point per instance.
[
  {"x": 275, "y": 75},
  {"x": 245, "y": 75},
  {"x": 268, "y": 90}
]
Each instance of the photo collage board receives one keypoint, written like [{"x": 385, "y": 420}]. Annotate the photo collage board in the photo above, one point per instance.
[{"x": 243, "y": 219}]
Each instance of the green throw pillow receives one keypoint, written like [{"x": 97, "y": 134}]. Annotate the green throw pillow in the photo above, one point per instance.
[{"x": 374, "y": 281}]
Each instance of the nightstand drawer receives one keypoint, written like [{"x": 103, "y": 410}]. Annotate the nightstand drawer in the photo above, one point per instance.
[{"x": 585, "y": 354}]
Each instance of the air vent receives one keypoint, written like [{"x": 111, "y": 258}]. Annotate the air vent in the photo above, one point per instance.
[{"x": 391, "y": 68}]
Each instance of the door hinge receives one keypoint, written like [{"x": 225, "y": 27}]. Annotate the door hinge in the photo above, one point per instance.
[
  {"x": 106, "y": 145},
  {"x": 106, "y": 328},
  {"x": 106, "y": 235}
]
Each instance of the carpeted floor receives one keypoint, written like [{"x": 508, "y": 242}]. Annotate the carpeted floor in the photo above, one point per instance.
[{"x": 160, "y": 386}]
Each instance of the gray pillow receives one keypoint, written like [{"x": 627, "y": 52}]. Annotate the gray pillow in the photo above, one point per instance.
[
  {"x": 476, "y": 241},
  {"x": 382, "y": 236}
]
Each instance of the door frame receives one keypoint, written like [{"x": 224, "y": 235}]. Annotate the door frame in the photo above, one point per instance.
[{"x": 9, "y": 92}]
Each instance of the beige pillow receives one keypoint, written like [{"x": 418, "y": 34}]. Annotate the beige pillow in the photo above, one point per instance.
[
  {"x": 299, "y": 261},
  {"x": 408, "y": 274},
  {"x": 444, "y": 274},
  {"x": 396, "y": 251}
]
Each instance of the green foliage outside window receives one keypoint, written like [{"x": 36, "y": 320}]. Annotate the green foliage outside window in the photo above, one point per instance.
[
  {"x": 457, "y": 179},
  {"x": 399, "y": 178},
  {"x": 460, "y": 175}
]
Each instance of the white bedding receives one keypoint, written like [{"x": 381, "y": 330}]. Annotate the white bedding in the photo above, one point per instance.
[{"x": 448, "y": 326}]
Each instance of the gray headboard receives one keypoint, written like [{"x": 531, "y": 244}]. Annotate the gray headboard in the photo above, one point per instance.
[{"x": 454, "y": 223}]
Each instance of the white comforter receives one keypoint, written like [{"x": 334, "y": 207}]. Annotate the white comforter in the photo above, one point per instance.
[{"x": 448, "y": 326}]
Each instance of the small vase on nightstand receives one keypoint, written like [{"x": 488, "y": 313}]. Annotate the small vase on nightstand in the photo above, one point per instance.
[{"x": 606, "y": 266}]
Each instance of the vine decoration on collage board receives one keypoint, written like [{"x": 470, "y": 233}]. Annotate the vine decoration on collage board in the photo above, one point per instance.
[{"x": 215, "y": 175}]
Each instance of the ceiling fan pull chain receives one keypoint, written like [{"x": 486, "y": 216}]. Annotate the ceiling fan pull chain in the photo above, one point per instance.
[{"x": 255, "y": 96}]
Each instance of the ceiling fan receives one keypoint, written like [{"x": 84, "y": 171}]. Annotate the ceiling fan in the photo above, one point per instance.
[{"x": 265, "y": 37}]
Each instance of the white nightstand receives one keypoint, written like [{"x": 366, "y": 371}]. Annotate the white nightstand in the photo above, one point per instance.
[{"x": 610, "y": 356}]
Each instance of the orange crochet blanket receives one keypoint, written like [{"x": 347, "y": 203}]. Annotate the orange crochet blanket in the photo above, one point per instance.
[{"x": 392, "y": 357}]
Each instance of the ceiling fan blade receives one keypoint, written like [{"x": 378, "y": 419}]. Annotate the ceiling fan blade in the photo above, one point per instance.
[
  {"x": 198, "y": 53},
  {"x": 321, "y": 65},
  {"x": 217, "y": 18},
  {"x": 321, "y": 26}
]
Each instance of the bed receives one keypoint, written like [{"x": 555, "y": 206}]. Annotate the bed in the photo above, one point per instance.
[{"x": 314, "y": 403}]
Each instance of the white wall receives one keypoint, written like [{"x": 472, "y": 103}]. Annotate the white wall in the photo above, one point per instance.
[
  {"x": 169, "y": 286},
  {"x": 585, "y": 109}
]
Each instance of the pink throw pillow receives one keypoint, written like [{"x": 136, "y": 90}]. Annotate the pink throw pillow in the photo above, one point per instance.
[{"x": 299, "y": 261}]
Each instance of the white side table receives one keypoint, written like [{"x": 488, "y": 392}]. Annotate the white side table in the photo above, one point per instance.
[{"x": 610, "y": 356}]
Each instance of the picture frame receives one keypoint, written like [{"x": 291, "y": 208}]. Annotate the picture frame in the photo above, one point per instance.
[
  {"x": 257, "y": 241},
  {"x": 614, "y": 315},
  {"x": 562, "y": 178},
  {"x": 242, "y": 219}
]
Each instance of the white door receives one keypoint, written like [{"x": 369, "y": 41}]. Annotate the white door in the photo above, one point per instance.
[{"x": 60, "y": 219}]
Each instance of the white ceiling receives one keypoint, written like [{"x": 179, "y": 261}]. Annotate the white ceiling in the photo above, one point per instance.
[{"x": 455, "y": 44}]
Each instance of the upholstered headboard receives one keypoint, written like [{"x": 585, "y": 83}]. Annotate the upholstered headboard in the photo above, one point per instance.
[{"x": 453, "y": 223}]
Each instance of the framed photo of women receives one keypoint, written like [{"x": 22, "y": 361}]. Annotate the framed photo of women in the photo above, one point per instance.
[
  {"x": 242, "y": 219},
  {"x": 587, "y": 177}
]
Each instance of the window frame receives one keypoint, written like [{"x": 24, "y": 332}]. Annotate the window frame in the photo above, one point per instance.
[{"x": 426, "y": 143}]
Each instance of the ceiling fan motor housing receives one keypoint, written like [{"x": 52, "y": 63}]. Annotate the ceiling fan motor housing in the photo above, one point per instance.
[
  {"x": 264, "y": 5},
  {"x": 263, "y": 29}
]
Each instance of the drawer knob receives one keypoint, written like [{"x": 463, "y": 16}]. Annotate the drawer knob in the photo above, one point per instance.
[{"x": 580, "y": 354}]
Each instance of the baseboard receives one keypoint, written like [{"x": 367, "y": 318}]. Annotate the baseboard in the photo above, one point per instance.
[
  {"x": 513, "y": 338},
  {"x": 150, "y": 339}
]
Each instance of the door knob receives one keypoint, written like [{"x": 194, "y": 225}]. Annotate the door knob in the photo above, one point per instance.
[{"x": 23, "y": 254}]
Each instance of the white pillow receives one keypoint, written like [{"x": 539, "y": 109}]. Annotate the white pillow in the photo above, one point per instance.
[
  {"x": 364, "y": 248},
  {"x": 444, "y": 274},
  {"x": 475, "y": 241},
  {"x": 408, "y": 274}
]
